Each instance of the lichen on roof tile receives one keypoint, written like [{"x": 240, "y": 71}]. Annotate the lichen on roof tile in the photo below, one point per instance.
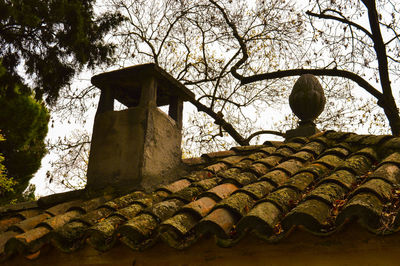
[
  {"x": 387, "y": 171},
  {"x": 231, "y": 160},
  {"x": 342, "y": 177},
  {"x": 200, "y": 207},
  {"x": 241, "y": 179},
  {"x": 300, "y": 181},
  {"x": 357, "y": 164},
  {"x": 258, "y": 189},
  {"x": 271, "y": 161},
  {"x": 313, "y": 147},
  {"x": 219, "y": 154},
  {"x": 393, "y": 158},
  {"x": 220, "y": 192},
  {"x": 328, "y": 192},
  {"x": 139, "y": 232},
  {"x": 290, "y": 166},
  {"x": 238, "y": 204},
  {"x": 312, "y": 214},
  {"x": 262, "y": 218},
  {"x": 284, "y": 198},
  {"x": 247, "y": 148},
  {"x": 219, "y": 222},
  {"x": 318, "y": 183},
  {"x": 381, "y": 189},
  {"x": 365, "y": 207},
  {"x": 176, "y": 186},
  {"x": 258, "y": 169},
  {"x": 217, "y": 167},
  {"x": 276, "y": 177}
]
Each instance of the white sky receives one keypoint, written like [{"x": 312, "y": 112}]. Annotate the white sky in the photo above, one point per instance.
[{"x": 64, "y": 129}]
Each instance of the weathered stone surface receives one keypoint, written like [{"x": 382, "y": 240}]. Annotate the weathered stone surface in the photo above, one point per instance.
[
  {"x": 133, "y": 148},
  {"x": 220, "y": 192},
  {"x": 307, "y": 99},
  {"x": 270, "y": 161},
  {"x": 28, "y": 242},
  {"x": 393, "y": 158},
  {"x": 342, "y": 177},
  {"x": 238, "y": 203},
  {"x": 258, "y": 190},
  {"x": 130, "y": 211},
  {"x": 5, "y": 223},
  {"x": 125, "y": 200},
  {"x": 220, "y": 222},
  {"x": 268, "y": 150},
  {"x": 69, "y": 237},
  {"x": 256, "y": 156},
  {"x": 60, "y": 220},
  {"x": 177, "y": 185},
  {"x": 317, "y": 169},
  {"x": 276, "y": 177},
  {"x": 364, "y": 206},
  {"x": 165, "y": 209},
  {"x": 259, "y": 169},
  {"x": 102, "y": 235},
  {"x": 338, "y": 151},
  {"x": 293, "y": 145},
  {"x": 187, "y": 194},
  {"x": 379, "y": 187},
  {"x": 217, "y": 167},
  {"x": 368, "y": 152},
  {"x": 139, "y": 230},
  {"x": 300, "y": 181},
  {"x": 302, "y": 156},
  {"x": 328, "y": 192},
  {"x": 284, "y": 198},
  {"x": 175, "y": 231},
  {"x": 262, "y": 218},
  {"x": 314, "y": 147},
  {"x": 312, "y": 214},
  {"x": 357, "y": 164},
  {"x": 304, "y": 129},
  {"x": 389, "y": 172},
  {"x": 242, "y": 179},
  {"x": 330, "y": 161},
  {"x": 290, "y": 166},
  {"x": 247, "y": 148},
  {"x": 207, "y": 184},
  {"x": 181, "y": 223},
  {"x": 231, "y": 160},
  {"x": 30, "y": 223},
  {"x": 218, "y": 154}
]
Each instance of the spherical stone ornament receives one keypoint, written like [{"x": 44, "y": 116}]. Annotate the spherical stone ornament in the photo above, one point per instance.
[{"x": 307, "y": 99}]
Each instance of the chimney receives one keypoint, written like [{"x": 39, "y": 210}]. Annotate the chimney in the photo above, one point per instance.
[
  {"x": 307, "y": 101},
  {"x": 139, "y": 147}
]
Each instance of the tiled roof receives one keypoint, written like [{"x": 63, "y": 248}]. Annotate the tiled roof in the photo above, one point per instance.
[{"x": 318, "y": 184}]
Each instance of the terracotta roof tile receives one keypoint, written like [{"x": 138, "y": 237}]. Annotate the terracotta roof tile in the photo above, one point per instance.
[
  {"x": 318, "y": 183},
  {"x": 200, "y": 207}
]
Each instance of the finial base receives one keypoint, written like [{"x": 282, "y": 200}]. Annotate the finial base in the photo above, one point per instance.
[{"x": 304, "y": 129}]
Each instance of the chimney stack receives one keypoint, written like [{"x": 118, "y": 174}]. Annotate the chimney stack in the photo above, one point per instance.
[{"x": 139, "y": 147}]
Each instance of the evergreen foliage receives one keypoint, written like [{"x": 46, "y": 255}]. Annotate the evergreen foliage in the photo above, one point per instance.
[
  {"x": 44, "y": 43},
  {"x": 23, "y": 123},
  {"x": 52, "y": 40},
  {"x": 6, "y": 183}
]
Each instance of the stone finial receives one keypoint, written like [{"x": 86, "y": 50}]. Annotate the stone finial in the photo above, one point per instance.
[{"x": 307, "y": 101}]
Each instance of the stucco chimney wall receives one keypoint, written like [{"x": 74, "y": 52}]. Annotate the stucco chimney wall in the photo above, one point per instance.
[{"x": 139, "y": 147}]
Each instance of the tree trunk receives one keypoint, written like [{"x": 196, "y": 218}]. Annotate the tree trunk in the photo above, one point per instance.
[{"x": 392, "y": 114}]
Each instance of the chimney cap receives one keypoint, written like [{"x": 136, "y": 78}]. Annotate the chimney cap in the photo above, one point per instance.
[{"x": 127, "y": 83}]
